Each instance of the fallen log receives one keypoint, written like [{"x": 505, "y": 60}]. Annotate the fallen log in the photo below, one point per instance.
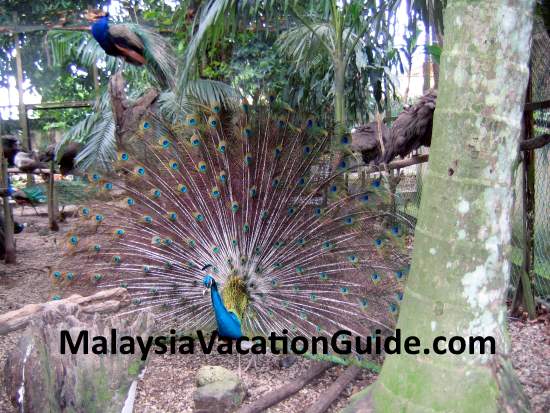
[
  {"x": 287, "y": 390},
  {"x": 327, "y": 398},
  {"x": 104, "y": 301}
]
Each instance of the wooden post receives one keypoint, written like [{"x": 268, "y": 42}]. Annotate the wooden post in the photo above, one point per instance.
[
  {"x": 9, "y": 240},
  {"x": 23, "y": 119},
  {"x": 524, "y": 292},
  {"x": 52, "y": 204}
]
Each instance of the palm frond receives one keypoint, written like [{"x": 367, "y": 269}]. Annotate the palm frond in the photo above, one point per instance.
[
  {"x": 303, "y": 45},
  {"x": 210, "y": 18},
  {"x": 78, "y": 46},
  {"x": 201, "y": 92},
  {"x": 100, "y": 148},
  {"x": 97, "y": 133}
]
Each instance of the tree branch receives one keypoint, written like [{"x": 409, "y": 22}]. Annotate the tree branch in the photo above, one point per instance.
[
  {"x": 286, "y": 390},
  {"x": 535, "y": 143},
  {"x": 103, "y": 301},
  {"x": 331, "y": 394}
]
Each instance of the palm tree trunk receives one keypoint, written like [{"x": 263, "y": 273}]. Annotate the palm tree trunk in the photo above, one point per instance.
[
  {"x": 460, "y": 269},
  {"x": 339, "y": 97}
]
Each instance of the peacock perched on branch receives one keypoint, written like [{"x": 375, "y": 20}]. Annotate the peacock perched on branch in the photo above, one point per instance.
[
  {"x": 135, "y": 44},
  {"x": 238, "y": 193}
]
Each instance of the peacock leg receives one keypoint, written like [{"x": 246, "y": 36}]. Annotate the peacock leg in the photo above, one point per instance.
[
  {"x": 253, "y": 360},
  {"x": 239, "y": 358}
]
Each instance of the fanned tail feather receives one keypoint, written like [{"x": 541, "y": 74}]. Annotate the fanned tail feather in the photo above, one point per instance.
[{"x": 239, "y": 191}]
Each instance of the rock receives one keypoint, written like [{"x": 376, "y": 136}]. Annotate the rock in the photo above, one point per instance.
[
  {"x": 218, "y": 390},
  {"x": 211, "y": 374},
  {"x": 38, "y": 378}
]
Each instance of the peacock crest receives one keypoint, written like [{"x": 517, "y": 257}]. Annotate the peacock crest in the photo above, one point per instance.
[{"x": 245, "y": 192}]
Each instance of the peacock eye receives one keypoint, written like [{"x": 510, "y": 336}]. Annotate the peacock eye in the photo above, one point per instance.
[
  {"x": 213, "y": 122},
  {"x": 247, "y": 132}
]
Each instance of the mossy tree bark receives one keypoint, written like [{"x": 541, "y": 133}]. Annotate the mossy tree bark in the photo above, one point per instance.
[{"x": 460, "y": 269}]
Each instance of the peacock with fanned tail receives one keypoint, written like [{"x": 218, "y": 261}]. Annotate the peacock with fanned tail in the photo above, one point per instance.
[{"x": 239, "y": 193}]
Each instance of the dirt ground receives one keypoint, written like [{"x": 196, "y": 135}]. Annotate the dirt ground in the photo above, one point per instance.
[{"x": 168, "y": 382}]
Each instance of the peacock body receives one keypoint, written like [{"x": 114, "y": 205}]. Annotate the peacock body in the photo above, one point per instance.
[
  {"x": 136, "y": 44},
  {"x": 239, "y": 193}
]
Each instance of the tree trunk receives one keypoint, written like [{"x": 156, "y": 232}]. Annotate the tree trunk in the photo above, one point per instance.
[
  {"x": 460, "y": 269},
  {"x": 339, "y": 98}
]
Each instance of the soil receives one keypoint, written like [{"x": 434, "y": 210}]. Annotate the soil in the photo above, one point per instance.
[{"x": 168, "y": 382}]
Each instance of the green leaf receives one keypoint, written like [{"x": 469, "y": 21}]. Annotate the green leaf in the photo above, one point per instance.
[{"x": 435, "y": 51}]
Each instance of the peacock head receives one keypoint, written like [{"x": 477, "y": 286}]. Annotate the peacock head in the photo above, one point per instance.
[{"x": 207, "y": 280}]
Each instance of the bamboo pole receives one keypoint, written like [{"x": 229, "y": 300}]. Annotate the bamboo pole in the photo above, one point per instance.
[
  {"x": 9, "y": 239},
  {"x": 23, "y": 119},
  {"x": 53, "y": 212}
]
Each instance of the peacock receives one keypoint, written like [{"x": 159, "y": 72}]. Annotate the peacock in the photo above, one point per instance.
[
  {"x": 238, "y": 201},
  {"x": 134, "y": 43}
]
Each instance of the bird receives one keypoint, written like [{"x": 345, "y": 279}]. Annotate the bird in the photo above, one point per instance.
[
  {"x": 30, "y": 196},
  {"x": 10, "y": 145},
  {"x": 118, "y": 40},
  {"x": 66, "y": 159},
  {"x": 228, "y": 322},
  {"x": 135, "y": 44},
  {"x": 236, "y": 191},
  {"x": 411, "y": 130},
  {"x": 28, "y": 162},
  {"x": 366, "y": 140}
]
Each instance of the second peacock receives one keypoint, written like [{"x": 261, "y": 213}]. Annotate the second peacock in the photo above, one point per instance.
[{"x": 238, "y": 192}]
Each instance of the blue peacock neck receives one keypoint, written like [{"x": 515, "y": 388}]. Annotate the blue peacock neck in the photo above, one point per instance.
[
  {"x": 229, "y": 325},
  {"x": 216, "y": 298},
  {"x": 100, "y": 30}
]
